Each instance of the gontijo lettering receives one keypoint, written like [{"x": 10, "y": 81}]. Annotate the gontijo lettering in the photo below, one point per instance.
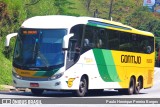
[{"x": 130, "y": 59}]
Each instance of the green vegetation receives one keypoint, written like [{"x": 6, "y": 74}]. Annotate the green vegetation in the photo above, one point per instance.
[
  {"x": 14, "y": 12},
  {"x": 1, "y": 87}
]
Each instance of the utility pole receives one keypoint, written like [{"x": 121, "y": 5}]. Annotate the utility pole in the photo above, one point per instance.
[{"x": 110, "y": 10}]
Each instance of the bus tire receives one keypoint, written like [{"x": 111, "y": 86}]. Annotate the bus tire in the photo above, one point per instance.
[
  {"x": 83, "y": 87},
  {"x": 138, "y": 86},
  {"x": 37, "y": 92},
  {"x": 131, "y": 87}
]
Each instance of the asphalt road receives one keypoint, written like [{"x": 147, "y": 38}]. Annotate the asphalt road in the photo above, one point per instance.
[{"x": 153, "y": 92}]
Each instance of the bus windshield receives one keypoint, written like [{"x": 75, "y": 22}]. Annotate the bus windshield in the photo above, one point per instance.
[{"x": 39, "y": 48}]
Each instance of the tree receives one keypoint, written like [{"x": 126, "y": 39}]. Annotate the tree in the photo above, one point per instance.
[
  {"x": 88, "y": 2},
  {"x": 33, "y": 2},
  {"x": 60, "y": 6}
]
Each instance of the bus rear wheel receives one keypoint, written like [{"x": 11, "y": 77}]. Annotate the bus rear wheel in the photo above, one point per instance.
[
  {"x": 138, "y": 86},
  {"x": 37, "y": 92},
  {"x": 82, "y": 88},
  {"x": 131, "y": 87}
]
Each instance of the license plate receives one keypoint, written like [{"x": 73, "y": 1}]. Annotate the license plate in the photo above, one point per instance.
[{"x": 34, "y": 84}]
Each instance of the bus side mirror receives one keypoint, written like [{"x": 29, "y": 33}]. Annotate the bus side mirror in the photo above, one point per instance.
[
  {"x": 66, "y": 40},
  {"x": 8, "y": 37},
  {"x": 8, "y": 49}
]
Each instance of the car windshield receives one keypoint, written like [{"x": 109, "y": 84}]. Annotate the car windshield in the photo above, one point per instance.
[{"x": 39, "y": 48}]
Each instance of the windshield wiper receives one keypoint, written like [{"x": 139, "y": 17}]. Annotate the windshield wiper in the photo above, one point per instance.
[
  {"x": 39, "y": 54},
  {"x": 34, "y": 49}
]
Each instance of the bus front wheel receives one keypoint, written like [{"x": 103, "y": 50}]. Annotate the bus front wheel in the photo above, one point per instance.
[{"x": 82, "y": 88}]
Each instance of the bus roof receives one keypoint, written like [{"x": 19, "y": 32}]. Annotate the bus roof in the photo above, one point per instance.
[{"x": 62, "y": 21}]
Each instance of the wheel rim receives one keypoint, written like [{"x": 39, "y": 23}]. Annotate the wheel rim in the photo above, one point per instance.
[
  {"x": 131, "y": 87},
  {"x": 82, "y": 87},
  {"x": 138, "y": 87}
]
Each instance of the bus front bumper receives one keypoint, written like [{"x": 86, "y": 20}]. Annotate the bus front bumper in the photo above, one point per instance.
[{"x": 58, "y": 84}]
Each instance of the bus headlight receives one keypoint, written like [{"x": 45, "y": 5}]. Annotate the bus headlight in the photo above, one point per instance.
[
  {"x": 16, "y": 75},
  {"x": 56, "y": 76}
]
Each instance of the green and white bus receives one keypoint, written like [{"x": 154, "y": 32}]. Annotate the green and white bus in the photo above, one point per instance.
[{"x": 81, "y": 54}]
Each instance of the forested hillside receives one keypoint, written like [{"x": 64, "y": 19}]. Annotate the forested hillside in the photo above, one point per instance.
[{"x": 14, "y": 12}]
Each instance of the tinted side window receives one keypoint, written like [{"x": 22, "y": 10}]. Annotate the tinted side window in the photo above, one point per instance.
[
  {"x": 96, "y": 37},
  {"x": 101, "y": 39},
  {"x": 113, "y": 39},
  {"x": 125, "y": 42},
  {"x": 74, "y": 47},
  {"x": 136, "y": 43},
  {"x": 89, "y": 41},
  {"x": 146, "y": 44}
]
